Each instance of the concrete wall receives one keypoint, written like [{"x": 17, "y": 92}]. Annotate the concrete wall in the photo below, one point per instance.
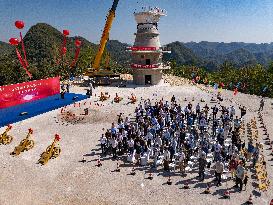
[
  {"x": 139, "y": 76},
  {"x": 140, "y": 58},
  {"x": 147, "y": 40}
]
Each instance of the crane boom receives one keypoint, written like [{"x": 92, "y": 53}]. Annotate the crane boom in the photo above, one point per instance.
[{"x": 105, "y": 35}]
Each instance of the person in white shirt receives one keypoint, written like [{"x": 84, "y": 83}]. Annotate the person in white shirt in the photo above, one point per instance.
[
  {"x": 114, "y": 144},
  {"x": 141, "y": 109},
  {"x": 219, "y": 168},
  {"x": 120, "y": 125},
  {"x": 237, "y": 124},
  {"x": 174, "y": 144},
  {"x": 156, "y": 154},
  {"x": 158, "y": 141},
  {"x": 90, "y": 88},
  {"x": 182, "y": 162},
  {"x": 186, "y": 111},
  {"x": 124, "y": 133},
  {"x": 149, "y": 138},
  {"x": 103, "y": 141},
  {"x": 166, "y": 104},
  {"x": 126, "y": 122},
  {"x": 232, "y": 150},
  {"x": 203, "y": 124},
  {"x": 217, "y": 150},
  {"x": 232, "y": 112},
  {"x": 119, "y": 140},
  {"x": 131, "y": 145}
]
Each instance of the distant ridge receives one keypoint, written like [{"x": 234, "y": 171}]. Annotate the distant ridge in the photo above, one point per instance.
[{"x": 43, "y": 42}]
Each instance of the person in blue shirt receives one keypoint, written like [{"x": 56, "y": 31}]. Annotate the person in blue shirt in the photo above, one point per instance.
[
  {"x": 256, "y": 154},
  {"x": 114, "y": 130},
  {"x": 250, "y": 150},
  {"x": 190, "y": 121}
]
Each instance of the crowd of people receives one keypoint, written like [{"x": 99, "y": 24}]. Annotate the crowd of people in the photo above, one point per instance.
[{"x": 165, "y": 133}]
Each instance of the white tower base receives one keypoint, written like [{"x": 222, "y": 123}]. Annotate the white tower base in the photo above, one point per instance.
[{"x": 147, "y": 76}]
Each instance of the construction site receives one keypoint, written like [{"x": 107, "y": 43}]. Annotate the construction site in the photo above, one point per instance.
[{"x": 145, "y": 137}]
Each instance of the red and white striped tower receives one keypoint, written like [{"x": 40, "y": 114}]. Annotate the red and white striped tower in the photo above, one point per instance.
[{"x": 147, "y": 52}]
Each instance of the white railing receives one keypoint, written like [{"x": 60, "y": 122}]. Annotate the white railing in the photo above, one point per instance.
[{"x": 154, "y": 10}]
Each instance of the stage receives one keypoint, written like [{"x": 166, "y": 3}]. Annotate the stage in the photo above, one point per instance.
[{"x": 12, "y": 114}]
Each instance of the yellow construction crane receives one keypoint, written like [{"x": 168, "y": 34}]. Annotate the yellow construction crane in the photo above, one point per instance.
[
  {"x": 107, "y": 61},
  {"x": 95, "y": 71}
]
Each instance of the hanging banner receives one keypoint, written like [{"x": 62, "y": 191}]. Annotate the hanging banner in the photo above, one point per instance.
[
  {"x": 144, "y": 66},
  {"x": 16, "y": 94},
  {"x": 141, "y": 48}
]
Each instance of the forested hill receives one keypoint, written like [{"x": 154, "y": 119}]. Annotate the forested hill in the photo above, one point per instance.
[
  {"x": 43, "y": 43},
  {"x": 5, "y": 48},
  {"x": 210, "y": 55},
  {"x": 239, "y": 54}
]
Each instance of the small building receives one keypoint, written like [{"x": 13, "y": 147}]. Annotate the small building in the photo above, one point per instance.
[{"x": 147, "y": 52}]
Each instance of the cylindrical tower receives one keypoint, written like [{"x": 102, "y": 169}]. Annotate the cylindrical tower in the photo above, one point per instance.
[{"x": 147, "y": 51}]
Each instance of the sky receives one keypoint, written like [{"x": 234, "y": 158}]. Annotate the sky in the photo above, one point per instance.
[{"x": 186, "y": 20}]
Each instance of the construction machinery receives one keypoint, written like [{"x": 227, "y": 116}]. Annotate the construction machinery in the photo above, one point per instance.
[
  {"x": 52, "y": 151},
  {"x": 104, "y": 96},
  {"x": 25, "y": 145},
  {"x": 107, "y": 61},
  {"x": 4, "y": 137},
  {"x": 102, "y": 76}
]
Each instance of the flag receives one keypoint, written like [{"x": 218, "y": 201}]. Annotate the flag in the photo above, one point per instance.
[
  {"x": 235, "y": 91},
  {"x": 215, "y": 86}
]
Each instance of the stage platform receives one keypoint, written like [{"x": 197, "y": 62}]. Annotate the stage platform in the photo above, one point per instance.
[{"x": 12, "y": 114}]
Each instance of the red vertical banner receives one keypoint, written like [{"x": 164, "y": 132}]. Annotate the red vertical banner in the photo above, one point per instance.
[
  {"x": 23, "y": 63},
  {"x": 11, "y": 95}
]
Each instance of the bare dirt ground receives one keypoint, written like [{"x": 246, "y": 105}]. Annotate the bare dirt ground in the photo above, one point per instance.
[{"x": 67, "y": 181}]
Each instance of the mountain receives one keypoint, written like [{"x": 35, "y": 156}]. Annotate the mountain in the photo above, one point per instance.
[
  {"x": 118, "y": 52},
  {"x": 181, "y": 54},
  {"x": 5, "y": 48},
  {"x": 237, "y": 53},
  {"x": 241, "y": 57},
  {"x": 43, "y": 44}
]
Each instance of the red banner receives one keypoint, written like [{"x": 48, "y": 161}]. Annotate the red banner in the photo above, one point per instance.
[
  {"x": 11, "y": 95},
  {"x": 142, "y": 48},
  {"x": 144, "y": 66}
]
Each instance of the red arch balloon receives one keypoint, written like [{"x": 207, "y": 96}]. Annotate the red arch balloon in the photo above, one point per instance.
[
  {"x": 14, "y": 41},
  {"x": 19, "y": 24},
  {"x": 66, "y": 32},
  {"x": 64, "y": 50},
  {"x": 78, "y": 43}
]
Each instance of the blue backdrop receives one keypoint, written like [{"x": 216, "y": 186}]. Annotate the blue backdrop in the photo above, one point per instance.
[{"x": 12, "y": 114}]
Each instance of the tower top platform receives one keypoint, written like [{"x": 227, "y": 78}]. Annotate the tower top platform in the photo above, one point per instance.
[{"x": 149, "y": 15}]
